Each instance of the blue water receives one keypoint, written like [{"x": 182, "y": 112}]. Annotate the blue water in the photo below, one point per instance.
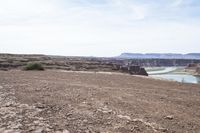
[
  {"x": 166, "y": 70},
  {"x": 168, "y": 74},
  {"x": 184, "y": 78}
]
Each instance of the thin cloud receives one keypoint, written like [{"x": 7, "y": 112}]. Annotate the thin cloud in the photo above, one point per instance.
[{"x": 106, "y": 28}]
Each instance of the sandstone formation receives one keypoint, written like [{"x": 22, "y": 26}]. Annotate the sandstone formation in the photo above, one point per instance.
[
  {"x": 195, "y": 67},
  {"x": 133, "y": 70},
  {"x": 198, "y": 69},
  {"x": 8, "y": 61}
]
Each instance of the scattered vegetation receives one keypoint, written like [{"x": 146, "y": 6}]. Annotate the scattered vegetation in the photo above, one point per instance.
[{"x": 34, "y": 66}]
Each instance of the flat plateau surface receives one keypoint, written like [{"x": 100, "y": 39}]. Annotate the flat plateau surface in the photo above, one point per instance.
[{"x": 77, "y": 102}]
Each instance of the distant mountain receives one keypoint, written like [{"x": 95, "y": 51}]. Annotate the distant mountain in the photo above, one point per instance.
[{"x": 160, "y": 56}]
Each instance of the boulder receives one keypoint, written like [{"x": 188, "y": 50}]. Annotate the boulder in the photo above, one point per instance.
[
  {"x": 143, "y": 72},
  {"x": 198, "y": 70},
  {"x": 134, "y": 70},
  {"x": 192, "y": 65},
  {"x": 124, "y": 69}
]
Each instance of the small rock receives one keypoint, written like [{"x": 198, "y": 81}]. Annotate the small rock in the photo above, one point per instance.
[
  {"x": 124, "y": 117},
  {"x": 68, "y": 114},
  {"x": 16, "y": 126},
  {"x": 58, "y": 132},
  {"x": 40, "y": 106},
  {"x": 169, "y": 117},
  {"x": 39, "y": 130},
  {"x": 36, "y": 122},
  {"x": 105, "y": 110},
  {"x": 23, "y": 106},
  {"x": 87, "y": 131},
  {"x": 85, "y": 121},
  {"x": 163, "y": 129},
  {"x": 9, "y": 104},
  {"x": 47, "y": 129},
  {"x": 65, "y": 131},
  {"x": 40, "y": 118}
]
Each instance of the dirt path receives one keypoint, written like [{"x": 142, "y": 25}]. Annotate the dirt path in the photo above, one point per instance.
[{"x": 72, "y": 102}]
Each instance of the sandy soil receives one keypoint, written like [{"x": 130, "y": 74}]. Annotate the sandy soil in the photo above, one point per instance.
[{"x": 75, "y": 102}]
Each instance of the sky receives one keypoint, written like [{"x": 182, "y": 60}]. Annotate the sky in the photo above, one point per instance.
[{"x": 99, "y": 27}]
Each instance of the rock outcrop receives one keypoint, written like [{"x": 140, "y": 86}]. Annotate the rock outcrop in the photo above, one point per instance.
[
  {"x": 8, "y": 61},
  {"x": 195, "y": 67},
  {"x": 134, "y": 70},
  {"x": 198, "y": 69}
]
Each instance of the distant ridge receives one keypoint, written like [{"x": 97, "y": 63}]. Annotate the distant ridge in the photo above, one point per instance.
[{"x": 160, "y": 56}]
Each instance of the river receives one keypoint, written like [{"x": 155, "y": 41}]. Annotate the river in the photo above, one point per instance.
[{"x": 168, "y": 73}]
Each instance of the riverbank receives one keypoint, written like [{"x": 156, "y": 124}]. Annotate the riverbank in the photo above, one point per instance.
[{"x": 55, "y": 101}]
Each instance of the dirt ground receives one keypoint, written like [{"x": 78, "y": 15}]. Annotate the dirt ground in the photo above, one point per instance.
[{"x": 78, "y": 102}]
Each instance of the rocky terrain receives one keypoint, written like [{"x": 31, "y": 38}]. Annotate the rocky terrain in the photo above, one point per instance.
[
  {"x": 198, "y": 70},
  {"x": 10, "y": 61},
  {"x": 95, "y": 102},
  {"x": 194, "y": 68}
]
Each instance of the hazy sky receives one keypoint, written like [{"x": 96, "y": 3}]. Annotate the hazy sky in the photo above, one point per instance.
[{"x": 99, "y": 27}]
